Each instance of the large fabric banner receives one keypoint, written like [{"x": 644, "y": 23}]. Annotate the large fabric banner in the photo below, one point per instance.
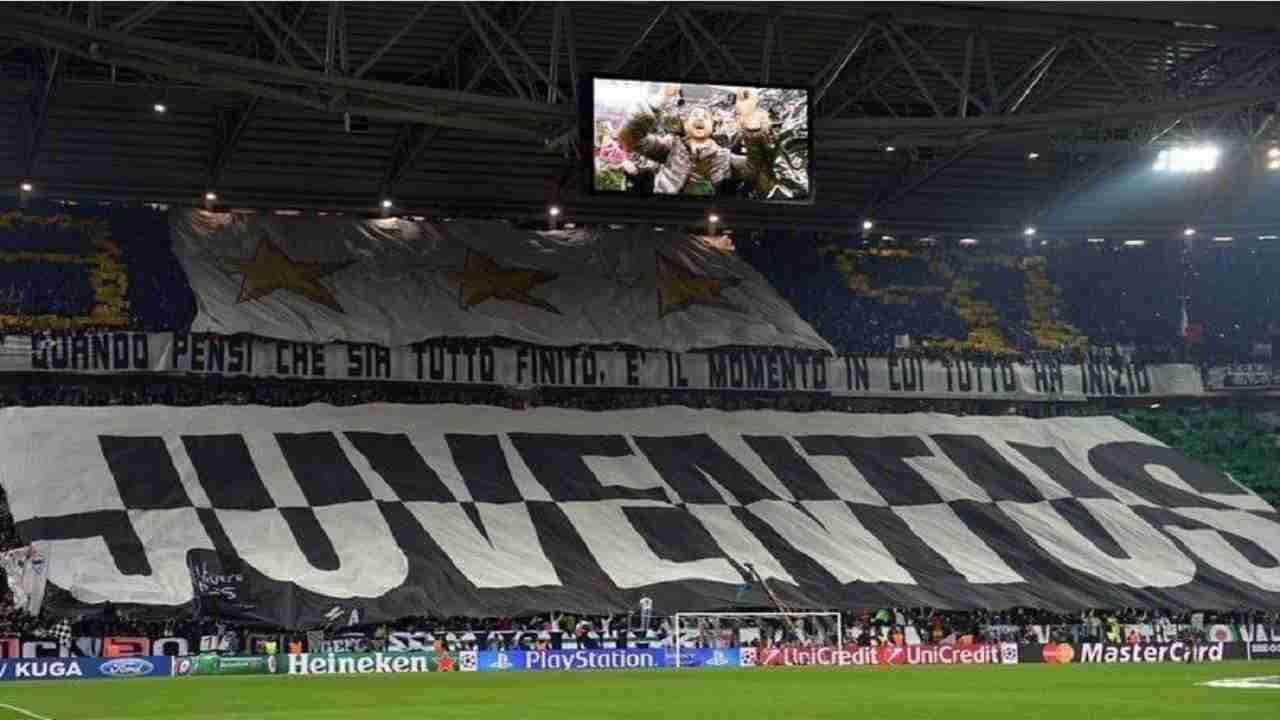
[
  {"x": 1243, "y": 377},
  {"x": 320, "y": 514},
  {"x": 460, "y": 362},
  {"x": 396, "y": 282},
  {"x": 26, "y": 572}
]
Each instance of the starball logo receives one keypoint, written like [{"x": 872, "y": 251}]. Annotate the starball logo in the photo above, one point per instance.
[{"x": 1058, "y": 653}]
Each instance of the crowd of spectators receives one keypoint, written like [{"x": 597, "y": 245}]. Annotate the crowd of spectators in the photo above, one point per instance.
[
  {"x": 1112, "y": 293},
  {"x": 872, "y": 626}
]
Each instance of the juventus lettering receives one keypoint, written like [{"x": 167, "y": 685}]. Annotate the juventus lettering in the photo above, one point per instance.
[{"x": 387, "y": 511}]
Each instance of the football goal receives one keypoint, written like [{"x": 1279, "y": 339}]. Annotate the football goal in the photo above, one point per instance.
[{"x": 753, "y": 630}]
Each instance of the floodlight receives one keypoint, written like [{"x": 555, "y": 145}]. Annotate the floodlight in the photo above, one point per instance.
[{"x": 1188, "y": 159}]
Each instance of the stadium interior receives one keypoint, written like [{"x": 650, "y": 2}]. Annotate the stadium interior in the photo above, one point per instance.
[{"x": 350, "y": 338}]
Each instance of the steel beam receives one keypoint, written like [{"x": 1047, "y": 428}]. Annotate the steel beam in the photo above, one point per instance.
[
  {"x": 344, "y": 55},
  {"x": 38, "y": 28},
  {"x": 993, "y": 94},
  {"x": 494, "y": 52},
  {"x": 872, "y": 84},
  {"x": 624, "y": 55},
  {"x": 911, "y": 70},
  {"x": 1044, "y": 121},
  {"x": 137, "y": 18},
  {"x": 571, "y": 42},
  {"x": 766, "y": 51},
  {"x": 997, "y": 103},
  {"x": 966, "y": 76},
  {"x": 910, "y": 186},
  {"x": 1084, "y": 42},
  {"x": 826, "y": 77},
  {"x": 331, "y": 37},
  {"x": 780, "y": 39},
  {"x": 233, "y": 127},
  {"x": 1034, "y": 23},
  {"x": 729, "y": 59},
  {"x": 412, "y": 141},
  {"x": 1142, "y": 75},
  {"x": 964, "y": 89},
  {"x": 693, "y": 42},
  {"x": 515, "y": 45},
  {"x": 1064, "y": 83},
  {"x": 1035, "y": 81},
  {"x": 725, "y": 31},
  {"x": 261, "y": 21},
  {"x": 386, "y": 47},
  {"x": 292, "y": 34},
  {"x": 553, "y": 54},
  {"x": 38, "y": 110}
]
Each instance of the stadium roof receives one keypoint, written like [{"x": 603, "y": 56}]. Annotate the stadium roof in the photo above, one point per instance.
[{"x": 470, "y": 108}]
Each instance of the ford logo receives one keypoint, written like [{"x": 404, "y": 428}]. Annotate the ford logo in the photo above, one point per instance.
[{"x": 126, "y": 667}]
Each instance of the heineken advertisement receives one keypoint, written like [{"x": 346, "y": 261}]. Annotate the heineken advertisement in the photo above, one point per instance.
[{"x": 376, "y": 663}]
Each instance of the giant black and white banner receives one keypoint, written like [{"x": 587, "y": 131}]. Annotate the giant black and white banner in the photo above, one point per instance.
[
  {"x": 386, "y": 510},
  {"x": 471, "y": 362}
]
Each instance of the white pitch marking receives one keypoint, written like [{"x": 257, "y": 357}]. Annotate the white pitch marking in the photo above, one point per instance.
[
  {"x": 1270, "y": 682},
  {"x": 28, "y": 713}
]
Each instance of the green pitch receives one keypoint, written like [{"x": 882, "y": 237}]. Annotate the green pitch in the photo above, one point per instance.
[{"x": 1077, "y": 692}]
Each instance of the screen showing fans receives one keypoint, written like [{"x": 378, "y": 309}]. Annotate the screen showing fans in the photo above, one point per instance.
[{"x": 700, "y": 140}]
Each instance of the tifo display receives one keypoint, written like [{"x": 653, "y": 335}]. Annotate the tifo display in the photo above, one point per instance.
[
  {"x": 287, "y": 516},
  {"x": 292, "y": 533}
]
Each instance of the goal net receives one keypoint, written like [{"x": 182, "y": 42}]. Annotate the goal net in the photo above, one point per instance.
[{"x": 790, "y": 638}]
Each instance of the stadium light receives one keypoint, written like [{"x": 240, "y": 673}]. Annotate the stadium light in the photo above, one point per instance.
[
  {"x": 1096, "y": 240},
  {"x": 1188, "y": 159},
  {"x": 1029, "y": 231},
  {"x": 1274, "y": 153},
  {"x": 160, "y": 108},
  {"x": 713, "y": 218},
  {"x": 1223, "y": 239},
  {"x": 1266, "y": 237},
  {"x": 26, "y": 187},
  {"x": 1189, "y": 231},
  {"x": 867, "y": 224},
  {"x": 554, "y": 211},
  {"x": 211, "y": 196},
  {"x": 1135, "y": 243},
  {"x": 968, "y": 242},
  {"x": 889, "y": 148},
  {"x": 1033, "y": 156},
  {"x": 386, "y": 203}
]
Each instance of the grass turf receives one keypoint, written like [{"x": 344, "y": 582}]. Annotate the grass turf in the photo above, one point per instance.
[{"x": 1044, "y": 692}]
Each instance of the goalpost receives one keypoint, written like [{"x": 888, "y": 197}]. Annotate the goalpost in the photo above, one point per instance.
[{"x": 725, "y": 630}]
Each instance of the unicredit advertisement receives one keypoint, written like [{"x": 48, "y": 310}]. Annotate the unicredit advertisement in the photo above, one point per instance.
[
  {"x": 1103, "y": 654},
  {"x": 852, "y": 656}
]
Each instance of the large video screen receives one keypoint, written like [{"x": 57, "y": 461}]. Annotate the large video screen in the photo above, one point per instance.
[{"x": 700, "y": 140}]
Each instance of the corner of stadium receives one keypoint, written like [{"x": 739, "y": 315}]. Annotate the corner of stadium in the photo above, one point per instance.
[{"x": 612, "y": 360}]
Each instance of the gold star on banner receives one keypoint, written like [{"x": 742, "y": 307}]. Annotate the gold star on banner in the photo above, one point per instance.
[
  {"x": 482, "y": 278},
  {"x": 679, "y": 288},
  {"x": 271, "y": 269}
]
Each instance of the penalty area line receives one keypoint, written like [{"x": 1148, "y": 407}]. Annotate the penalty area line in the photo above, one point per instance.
[{"x": 21, "y": 711}]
